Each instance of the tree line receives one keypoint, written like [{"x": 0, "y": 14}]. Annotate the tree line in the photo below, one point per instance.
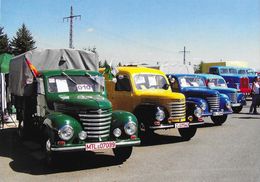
[{"x": 21, "y": 42}]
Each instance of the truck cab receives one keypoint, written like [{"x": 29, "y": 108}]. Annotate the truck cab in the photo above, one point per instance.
[
  {"x": 146, "y": 93},
  {"x": 68, "y": 108},
  {"x": 212, "y": 103}
]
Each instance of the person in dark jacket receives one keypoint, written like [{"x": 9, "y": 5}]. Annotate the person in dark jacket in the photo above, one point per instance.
[{"x": 255, "y": 95}]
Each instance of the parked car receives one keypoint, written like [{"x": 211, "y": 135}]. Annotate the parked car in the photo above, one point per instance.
[
  {"x": 68, "y": 108},
  {"x": 218, "y": 83},
  {"x": 212, "y": 103},
  {"x": 232, "y": 78},
  {"x": 146, "y": 93}
]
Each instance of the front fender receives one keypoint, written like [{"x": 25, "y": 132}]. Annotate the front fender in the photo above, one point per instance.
[
  {"x": 55, "y": 121},
  {"x": 241, "y": 98},
  {"x": 120, "y": 118}
]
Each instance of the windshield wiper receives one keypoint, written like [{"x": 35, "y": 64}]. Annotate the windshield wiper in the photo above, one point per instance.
[{"x": 69, "y": 78}]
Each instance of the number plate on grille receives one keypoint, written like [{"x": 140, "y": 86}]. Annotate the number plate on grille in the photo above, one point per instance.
[
  {"x": 182, "y": 125},
  {"x": 217, "y": 113},
  {"x": 100, "y": 145}
]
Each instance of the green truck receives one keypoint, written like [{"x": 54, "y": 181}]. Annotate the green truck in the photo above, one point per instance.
[{"x": 67, "y": 104}]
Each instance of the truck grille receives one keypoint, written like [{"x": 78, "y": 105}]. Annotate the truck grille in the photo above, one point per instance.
[
  {"x": 96, "y": 123},
  {"x": 213, "y": 102},
  {"x": 233, "y": 97},
  {"x": 177, "y": 109}
]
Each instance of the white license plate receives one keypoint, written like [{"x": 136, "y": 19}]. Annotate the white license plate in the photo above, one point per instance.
[
  {"x": 182, "y": 125},
  {"x": 100, "y": 145},
  {"x": 217, "y": 113},
  {"x": 235, "y": 105}
]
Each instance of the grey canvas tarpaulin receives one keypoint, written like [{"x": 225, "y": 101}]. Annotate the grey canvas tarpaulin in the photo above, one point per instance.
[{"x": 21, "y": 76}]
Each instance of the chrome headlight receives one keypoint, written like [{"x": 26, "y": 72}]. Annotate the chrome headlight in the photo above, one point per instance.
[
  {"x": 203, "y": 106},
  {"x": 160, "y": 115},
  {"x": 228, "y": 104},
  {"x": 82, "y": 135},
  {"x": 198, "y": 112},
  {"x": 66, "y": 132},
  {"x": 130, "y": 128},
  {"x": 117, "y": 132}
]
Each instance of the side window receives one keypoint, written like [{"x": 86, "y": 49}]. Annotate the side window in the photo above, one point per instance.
[{"x": 122, "y": 83}]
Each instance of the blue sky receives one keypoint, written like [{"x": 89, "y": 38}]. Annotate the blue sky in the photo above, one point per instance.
[{"x": 144, "y": 30}]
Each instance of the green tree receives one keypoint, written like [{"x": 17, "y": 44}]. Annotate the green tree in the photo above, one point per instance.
[
  {"x": 4, "y": 43},
  {"x": 23, "y": 41},
  {"x": 198, "y": 67}
]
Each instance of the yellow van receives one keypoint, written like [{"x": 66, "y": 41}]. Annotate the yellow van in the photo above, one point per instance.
[{"x": 146, "y": 93}]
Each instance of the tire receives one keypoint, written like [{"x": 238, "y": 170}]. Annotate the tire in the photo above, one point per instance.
[
  {"x": 187, "y": 133},
  {"x": 237, "y": 109},
  {"x": 219, "y": 120},
  {"x": 122, "y": 153}
]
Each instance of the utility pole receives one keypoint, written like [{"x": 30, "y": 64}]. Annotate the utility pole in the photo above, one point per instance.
[
  {"x": 71, "y": 17},
  {"x": 184, "y": 54}
]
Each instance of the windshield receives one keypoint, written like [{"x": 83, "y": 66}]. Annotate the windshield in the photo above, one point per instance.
[
  {"x": 217, "y": 82},
  {"x": 57, "y": 84},
  {"x": 191, "y": 81},
  {"x": 250, "y": 72},
  {"x": 224, "y": 71},
  {"x": 149, "y": 81}
]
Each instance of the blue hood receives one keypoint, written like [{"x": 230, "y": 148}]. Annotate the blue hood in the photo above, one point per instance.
[{"x": 198, "y": 92}]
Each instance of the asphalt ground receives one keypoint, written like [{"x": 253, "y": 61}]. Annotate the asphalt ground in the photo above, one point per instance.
[{"x": 216, "y": 153}]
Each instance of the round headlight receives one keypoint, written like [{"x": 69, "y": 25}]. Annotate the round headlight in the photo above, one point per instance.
[
  {"x": 66, "y": 132},
  {"x": 160, "y": 115},
  {"x": 117, "y": 132},
  {"x": 198, "y": 112},
  {"x": 228, "y": 104},
  {"x": 203, "y": 106},
  {"x": 82, "y": 135},
  {"x": 130, "y": 128}
]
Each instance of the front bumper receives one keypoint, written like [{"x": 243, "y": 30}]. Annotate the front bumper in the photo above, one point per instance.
[
  {"x": 82, "y": 147},
  {"x": 216, "y": 113},
  {"x": 173, "y": 125}
]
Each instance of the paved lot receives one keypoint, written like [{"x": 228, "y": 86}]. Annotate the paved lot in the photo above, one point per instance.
[{"x": 216, "y": 153}]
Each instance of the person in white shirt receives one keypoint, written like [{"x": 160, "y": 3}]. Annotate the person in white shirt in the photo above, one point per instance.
[{"x": 255, "y": 95}]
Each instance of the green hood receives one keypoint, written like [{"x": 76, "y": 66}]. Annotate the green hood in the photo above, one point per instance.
[{"x": 83, "y": 100}]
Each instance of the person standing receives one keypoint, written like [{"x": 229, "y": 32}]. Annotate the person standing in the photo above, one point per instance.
[{"x": 255, "y": 94}]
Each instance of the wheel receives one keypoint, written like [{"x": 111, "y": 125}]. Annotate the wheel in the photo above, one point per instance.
[
  {"x": 187, "y": 133},
  {"x": 237, "y": 109},
  {"x": 122, "y": 153},
  {"x": 219, "y": 120}
]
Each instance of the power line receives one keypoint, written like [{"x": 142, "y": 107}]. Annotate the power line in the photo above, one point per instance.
[
  {"x": 184, "y": 54},
  {"x": 71, "y": 17}
]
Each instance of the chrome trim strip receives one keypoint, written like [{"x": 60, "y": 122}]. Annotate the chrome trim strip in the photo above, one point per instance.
[
  {"x": 98, "y": 132},
  {"x": 95, "y": 115},
  {"x": 95, "y": 120},
  {"x": 97, "y": 136},
  {"x": 128, "y": 143},
  {"x": 97, "y": 128},
  {"x": 194, "y": 124},
  {"x": 96, "y": 124}
]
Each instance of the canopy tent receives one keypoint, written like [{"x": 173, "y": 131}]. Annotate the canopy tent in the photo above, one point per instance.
[
  {"x": 22, "y": 72},
  {"x": 4, "y": 62}
]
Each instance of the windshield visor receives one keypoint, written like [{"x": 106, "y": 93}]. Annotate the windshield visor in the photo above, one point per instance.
[{"x": 58, "y": 84}]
